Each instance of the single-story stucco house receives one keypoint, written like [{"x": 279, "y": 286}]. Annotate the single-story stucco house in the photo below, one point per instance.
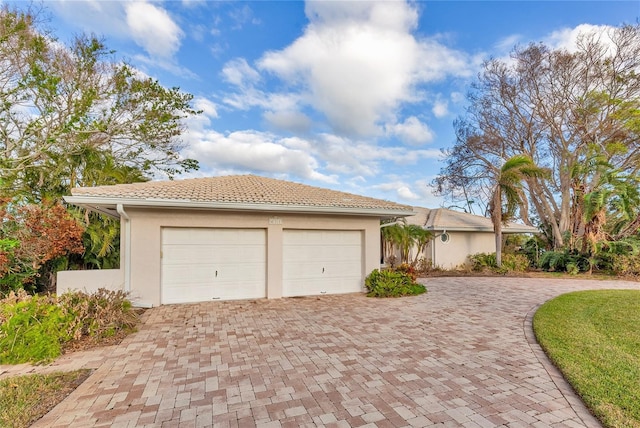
[
  {"x": 234, "y": 237},
  {"x": 458, "y": 235}
]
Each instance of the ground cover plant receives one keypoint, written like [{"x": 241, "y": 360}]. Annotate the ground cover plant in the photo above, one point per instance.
[
  {"x": 393, "y": 283},
  {"x": 592, "y": 336},
  {"x": 36, "y": 328},
  {"x": 483, "y": 262},
  {"x": 25, "y": 399}
]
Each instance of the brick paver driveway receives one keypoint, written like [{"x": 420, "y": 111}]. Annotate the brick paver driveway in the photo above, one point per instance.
[{"x": 461, "y": 355}]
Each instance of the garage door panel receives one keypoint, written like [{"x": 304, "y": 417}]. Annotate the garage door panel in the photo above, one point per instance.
[
  {"x": 238, "y": 254},
  {"x": 177, "y": 295},
  {"x": 181, "y": 254},
  {"x": 205, "y": 264},
  {"x": 246, "y": 271},
  {"x": 186, "y": 236},
  {"x": 178, "y": 274},
  {"x": 321, "y": 261}
]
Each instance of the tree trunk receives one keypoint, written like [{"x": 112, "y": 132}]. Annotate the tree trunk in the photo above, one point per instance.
[
  {"x": 546, "y": 212},
  {"x": 498, "y": 232}
]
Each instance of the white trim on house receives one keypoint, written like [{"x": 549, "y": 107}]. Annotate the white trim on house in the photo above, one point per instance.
[{"x": 108, "y": 206}]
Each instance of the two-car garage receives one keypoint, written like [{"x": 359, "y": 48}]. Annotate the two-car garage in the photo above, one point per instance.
[
  {"x": 201, "y": 264},
  {"x": 236, "y": 237}
]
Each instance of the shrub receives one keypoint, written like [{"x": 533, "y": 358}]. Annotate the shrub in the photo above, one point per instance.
[
  {"x": 391, "y": 283},
  {"x": 425, "y": 265},
  {"x": 515, "y": 263},
  {"x": 32, "y": 330},
  {"x": 33, "y": 235},
  {"x": 409, "y": 270},
  {"x": 482, "y": 262},
  {"x": 626, "y": 265},
  {"x": 35, "y": 328},
  {"x": 564, "y": 261},
  {"x": 533, "y": 249},
  {"x": 100, "y": 314}
]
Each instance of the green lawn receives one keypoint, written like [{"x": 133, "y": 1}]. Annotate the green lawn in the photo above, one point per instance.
[
  {"x": 25, "y": 399},
  {"x": 594, "y": 339}
]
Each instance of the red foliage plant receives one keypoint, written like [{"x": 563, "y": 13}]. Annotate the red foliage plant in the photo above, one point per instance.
[{"x": 34, "y": 234}]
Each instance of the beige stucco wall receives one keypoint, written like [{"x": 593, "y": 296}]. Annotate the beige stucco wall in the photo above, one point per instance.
[
  {"x": 89, "y": 281},
  {"x": 145, "y": 245},
  {"x": 455, "y": 252}
]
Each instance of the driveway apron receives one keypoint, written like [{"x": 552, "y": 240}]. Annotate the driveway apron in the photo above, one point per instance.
[{"x": 461, "y": 355}]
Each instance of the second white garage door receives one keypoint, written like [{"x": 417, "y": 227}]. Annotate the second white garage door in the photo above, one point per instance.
[
  {"x": 321, "y": 262},
  {"x": 213, "y": 264}
]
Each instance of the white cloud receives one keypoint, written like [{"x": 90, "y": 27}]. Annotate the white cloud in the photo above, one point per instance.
[
  {"x": 207, "y": 106},
  {"x": 342, "y": 155},
  {"x": 167, "y": 64},
  {"x": 253, "y": 151},
  {"x": 507, "y": 44},
  {"x": 145, "y": 24},
  {"x": 292, "y": 121},
  {"x": 193, "y": 3},
  {"x": 153, "y": 29},
  {"x": 412, "y": 131},
  {"x": 440, "y": 108},
  {"x": 252, "y": 97},
  {"x": 243, "y": 15},
  {"x": 457, "y": 97},
  {"x": 425, "y": 190},
  {"x": 202, "y": 121},
  {"x": 94, "y": 16},
  {"x": 238, "y": 72},
  {"x": 358, "y": 61},
  {"x": 398, "y": 189},
  {"x": 567, "y": 38},
  {"x": 405, "y": 193},
  {"x": 418, "y": 193}
]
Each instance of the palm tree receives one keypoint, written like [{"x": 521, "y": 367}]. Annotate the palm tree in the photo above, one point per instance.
[
  {"x": 404, "y": 237},
  {"x": 421, "y": 238},
  {"x": 508, "y": 195}
]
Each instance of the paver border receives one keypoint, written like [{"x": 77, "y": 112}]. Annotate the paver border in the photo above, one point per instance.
[{"x": 565, "y": 388}]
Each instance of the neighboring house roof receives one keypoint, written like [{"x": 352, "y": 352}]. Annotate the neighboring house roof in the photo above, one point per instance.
[
  {"x": 442, "y": 219},
  {"x": 234, "y": 192}
]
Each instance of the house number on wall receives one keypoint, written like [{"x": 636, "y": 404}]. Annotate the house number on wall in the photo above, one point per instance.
[{"x": 275, "y": 220}]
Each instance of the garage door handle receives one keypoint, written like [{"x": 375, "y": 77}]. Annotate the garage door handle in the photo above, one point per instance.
[
  {"x": 322, "y": 270},
  {"x": 216, "y": 274}
]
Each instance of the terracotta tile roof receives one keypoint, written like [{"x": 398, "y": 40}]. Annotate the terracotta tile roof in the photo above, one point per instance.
[
  {"x": 444, "y": 219},
  {"x": 239, "y": 189}
]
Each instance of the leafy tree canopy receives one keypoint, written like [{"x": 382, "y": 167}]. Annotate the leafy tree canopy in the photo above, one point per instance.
[
  {"x": 72, "y": 115},
  {"x": 573, "y": 113}
]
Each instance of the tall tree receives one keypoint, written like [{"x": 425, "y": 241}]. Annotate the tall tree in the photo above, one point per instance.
[
  {"x": 552, "y": 106},
  {"x": 60, "y": 103},
  {"x": 507, "y": 196},
  {"x": 72, "y": 114}
]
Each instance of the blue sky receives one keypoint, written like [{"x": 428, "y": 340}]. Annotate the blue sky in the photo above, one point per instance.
[{"x": 351, "y": 95}]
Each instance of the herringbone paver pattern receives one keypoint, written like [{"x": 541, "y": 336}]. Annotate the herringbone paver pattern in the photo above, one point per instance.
[{"x": 460, "y": 356}]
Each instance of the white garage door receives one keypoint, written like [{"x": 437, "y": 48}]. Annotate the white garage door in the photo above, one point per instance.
[
  {"x": 213, "y": 264},
  {"x": 321, "y": 262}
]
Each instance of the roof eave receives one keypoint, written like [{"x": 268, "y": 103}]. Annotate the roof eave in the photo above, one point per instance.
[
  {"x": 482, "y": 229},
  {"x": 107, "y": 205}
]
